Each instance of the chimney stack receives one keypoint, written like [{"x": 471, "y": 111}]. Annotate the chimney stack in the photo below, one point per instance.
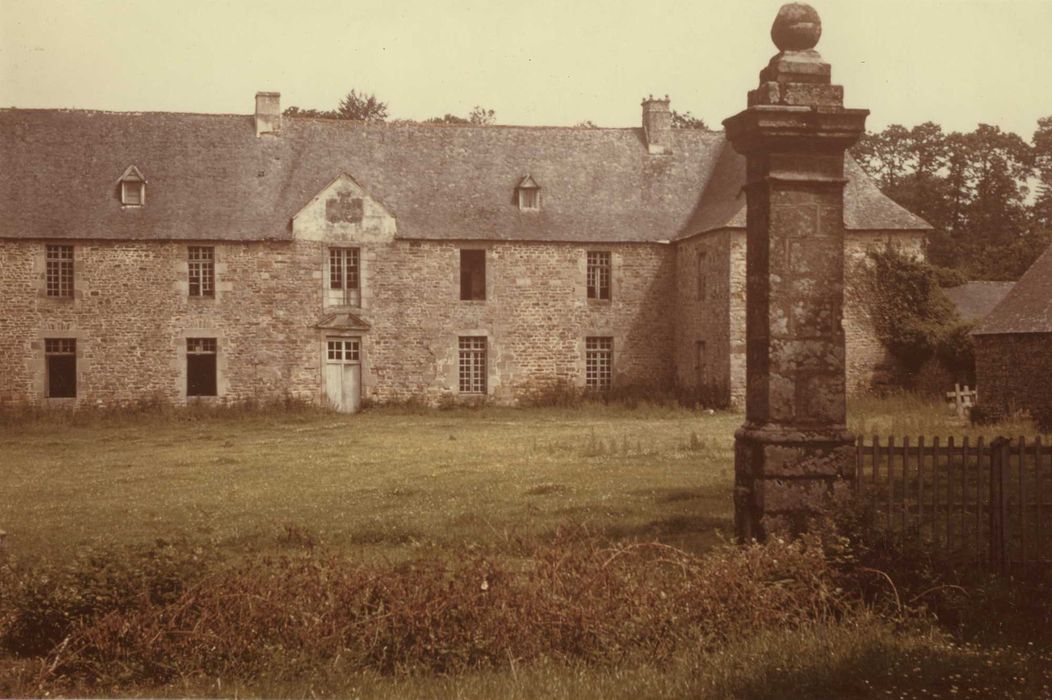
[
  {"x": 268, "y": 113},
  {"x": 657, "y": 125}
]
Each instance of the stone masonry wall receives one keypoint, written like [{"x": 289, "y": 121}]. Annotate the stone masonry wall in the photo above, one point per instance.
[
  {"x": 131, "y": 315},
  {"x": 722, "y": 317},
  {"x": 1012, "y": 370},
  {"x": 707, "y": 279}
]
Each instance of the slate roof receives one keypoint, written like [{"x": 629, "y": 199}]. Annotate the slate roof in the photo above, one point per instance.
[
  {"x": 211, "y": 178},
  {"x": 722, "y": 204},
  {"x": 1027, "y": 308},
  {"x": 975, "y": 300}
]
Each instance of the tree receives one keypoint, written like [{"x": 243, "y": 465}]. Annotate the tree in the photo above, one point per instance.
[
  {"x": 362, "y": 107},
  {"x": 972, "y": 187},
  {"x": 295, "y": 111},
  {"x": 686, "y": 120},
  {"x": 479, "y": 116}
]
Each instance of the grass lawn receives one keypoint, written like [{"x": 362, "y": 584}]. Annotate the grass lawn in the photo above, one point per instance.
[
  {"x": 392, "y": 485},
  {"x": 384, "y": 483}
]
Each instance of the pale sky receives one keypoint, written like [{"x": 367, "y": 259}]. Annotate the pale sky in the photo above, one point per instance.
[{"x": 550, "y": 62}]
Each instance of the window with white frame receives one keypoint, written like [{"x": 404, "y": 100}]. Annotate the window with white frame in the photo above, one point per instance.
[
  {"x": 344, "y": 350},
  {"x": 59, "y": 270},
  {"x": 60, "y": 357},
  {"x": 598, "y": 362},
  {"x": 132, "y": 187},
  {"x": 473, "y": 364},
  {"x": 598, "y": 275},
  {"x": 344, "y": 277},
  {"x": 202, "y": 271}
]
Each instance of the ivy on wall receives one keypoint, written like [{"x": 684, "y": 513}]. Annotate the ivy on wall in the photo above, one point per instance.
[{"x": 914, "y": 319}]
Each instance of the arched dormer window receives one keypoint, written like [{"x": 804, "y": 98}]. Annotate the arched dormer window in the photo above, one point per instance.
[
  {"x": 528, "y": 194},
  {"x": 132, "y": 187}
]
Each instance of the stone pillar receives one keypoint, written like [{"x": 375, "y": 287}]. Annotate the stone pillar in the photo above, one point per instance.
[{"x": 793, "y": 455}]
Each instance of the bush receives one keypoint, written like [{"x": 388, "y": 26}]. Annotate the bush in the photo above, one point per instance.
[
  {"x": 43, "y": 606},
  {"x": 913, "y": 317},
  {"x": 574, "y": 601}
]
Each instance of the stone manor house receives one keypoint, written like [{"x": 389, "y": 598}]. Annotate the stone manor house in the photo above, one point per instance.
[{"x": 176, "y": 256}]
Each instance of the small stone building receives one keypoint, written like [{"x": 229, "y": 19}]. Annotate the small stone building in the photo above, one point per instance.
[
  {"x": 1013, "y": 348},
  {"x": 175, "y": 257}
]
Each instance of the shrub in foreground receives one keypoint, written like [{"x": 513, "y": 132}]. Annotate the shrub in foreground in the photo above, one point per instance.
[{"x": 576, "y": 603}]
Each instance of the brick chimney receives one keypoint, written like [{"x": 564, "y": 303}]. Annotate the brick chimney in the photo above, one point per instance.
[
  {"x": 657, "y": 125},
  {"x": 268, "y": 113}
]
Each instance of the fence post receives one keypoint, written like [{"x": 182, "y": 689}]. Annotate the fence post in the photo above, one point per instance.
[{"x": 998, "y": 536}]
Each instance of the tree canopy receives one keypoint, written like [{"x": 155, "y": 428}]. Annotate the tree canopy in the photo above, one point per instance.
[{"x": 974, "y": 188}]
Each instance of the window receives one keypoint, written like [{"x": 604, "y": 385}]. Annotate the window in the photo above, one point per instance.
[
  {"x": 201, "y": 367},
  {"x": 700, "y": 361},
  {"x": 202, "y": 267},
  {"x": 529, "y": 199},
  {"x": 472, "y": 275},
  {"x": 701, "y": 274},
  {"x": 598, "y": 275},
  {"x": 598, "y": 362},
  {"x": 60, "y": 355},
  {"x": 344, "y": 277},
  {"x": 528, "y": 194},
  {"x": 59, "y": 270},
  {"x": 131, "y": 193},
  {"x": 132, "y": 187},
  {"x": 473, "y": 364},
  {"x": 340, "y": 350}
]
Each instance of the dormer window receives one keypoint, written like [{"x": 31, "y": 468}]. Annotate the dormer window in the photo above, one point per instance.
[
  {"x": 528, "y": 193},
  {"x": 133, "y": 187}
]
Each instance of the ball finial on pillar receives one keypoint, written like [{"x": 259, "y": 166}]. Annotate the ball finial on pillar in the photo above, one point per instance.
[{"x": 796, "y": 28}]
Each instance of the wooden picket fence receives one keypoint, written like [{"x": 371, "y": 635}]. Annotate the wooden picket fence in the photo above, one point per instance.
[{"x": 978, "y": 502}]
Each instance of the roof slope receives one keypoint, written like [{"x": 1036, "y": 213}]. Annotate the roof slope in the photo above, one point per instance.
[
  {"x": 1027, "y": 308},
  {"x": 722, "y": 205},
  {"x": 975, "y": 300},
  {"x": 210, "y": 177}
]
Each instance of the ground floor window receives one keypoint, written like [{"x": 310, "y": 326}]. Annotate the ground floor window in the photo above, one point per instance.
[
  {"x": 598, "y": 362},
  {"x": 201, "y": 366},
  {"x": 473, "y": 364},
  {"x": 61, "y": 357}
]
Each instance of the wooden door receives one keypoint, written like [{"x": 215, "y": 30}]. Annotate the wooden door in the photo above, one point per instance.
[{"x": 343, "y": 374}]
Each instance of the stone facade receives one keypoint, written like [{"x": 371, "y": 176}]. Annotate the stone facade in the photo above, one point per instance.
[
  {"x": 131, "y": 316},
  {"x": 710, "y": 332},
  {"x": 1013, "y": 368}
]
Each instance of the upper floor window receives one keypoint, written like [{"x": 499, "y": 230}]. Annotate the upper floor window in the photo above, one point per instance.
[
  {"x": 599, "y": 275},
  {"x": 59, "y": 270},
  {"x": 344, "y": 277},
  {"x": 528, "y": 194},
  {"x": 202, "y": 268},
  {"x": 701, "y": 274},
  {"x": 133, "y": 187},
  {"x": 472, "y": 275}
]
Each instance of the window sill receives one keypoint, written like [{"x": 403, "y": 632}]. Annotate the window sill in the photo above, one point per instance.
[
  {"x": 475, "y": 302},
  {"x": 599, "y": 302}
]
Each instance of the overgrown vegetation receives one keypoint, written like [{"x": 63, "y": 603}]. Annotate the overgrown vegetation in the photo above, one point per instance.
[
  {"x": 468, "y": 553},
  {"x": 915, "y": 320}
]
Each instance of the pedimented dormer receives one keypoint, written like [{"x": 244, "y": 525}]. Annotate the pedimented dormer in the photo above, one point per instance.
[
  {"x": 132, "y": 186},
  {"x": 343, "y": 211}
]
